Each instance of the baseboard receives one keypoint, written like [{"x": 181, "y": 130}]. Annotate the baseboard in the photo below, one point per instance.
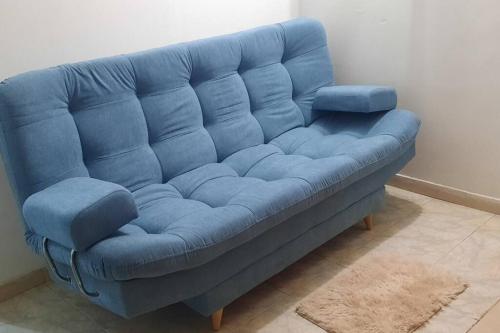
[
  {"x": 447, "y": 193},
  {"x": 23, "y": 283}
]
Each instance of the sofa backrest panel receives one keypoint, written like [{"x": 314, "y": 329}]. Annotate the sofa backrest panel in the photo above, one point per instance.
[
  {"x": 146, "y": 117},
  {"x": 172, "y": 110},
  {"x": 111, "y": 123}
]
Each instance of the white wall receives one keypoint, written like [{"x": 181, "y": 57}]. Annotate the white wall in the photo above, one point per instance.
[
  {"x": 36, "y": 34},
  {"x": 444, "y": 59}
]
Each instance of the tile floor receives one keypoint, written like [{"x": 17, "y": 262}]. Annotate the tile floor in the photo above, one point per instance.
[{"x": 463, "y": 240}]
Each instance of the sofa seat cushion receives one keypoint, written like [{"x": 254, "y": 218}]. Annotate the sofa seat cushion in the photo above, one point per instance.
[{"x": 203, "y": 213}]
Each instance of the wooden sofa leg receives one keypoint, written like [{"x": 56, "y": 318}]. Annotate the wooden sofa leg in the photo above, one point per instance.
[
  {"x": 368, "y": 220},
  {"x": 217, "y": 319}
]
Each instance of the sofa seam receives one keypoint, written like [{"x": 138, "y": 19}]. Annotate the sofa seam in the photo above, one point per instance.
[
  {"x": 65, "y": 109},
  {"x": 305, "y": 53},
  {"x": 260, "y": 160}
]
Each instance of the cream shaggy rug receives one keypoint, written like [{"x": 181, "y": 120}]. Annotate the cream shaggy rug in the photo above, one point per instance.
[{"x": 385, "y": 294}]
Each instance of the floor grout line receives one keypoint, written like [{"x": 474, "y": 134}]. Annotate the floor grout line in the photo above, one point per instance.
[
  {"x": 466, "y": 237},
  {"x": 484, "y": 314},
  {"x": 52, "y": 286}
]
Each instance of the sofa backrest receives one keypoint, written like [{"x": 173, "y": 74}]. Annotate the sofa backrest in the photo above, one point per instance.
[{"x": 146, "y": 117}]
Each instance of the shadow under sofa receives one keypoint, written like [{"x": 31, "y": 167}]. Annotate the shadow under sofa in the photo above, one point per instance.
[{"x": 221, "y": 162}]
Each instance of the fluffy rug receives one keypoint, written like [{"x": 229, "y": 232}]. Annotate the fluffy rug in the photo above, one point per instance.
[{"x": 385, "y": 294}]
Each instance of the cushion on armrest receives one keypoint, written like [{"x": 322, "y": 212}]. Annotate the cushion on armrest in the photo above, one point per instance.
[
  {"x": 362, "y": 99},
  {"x": 78, "y": 212}
]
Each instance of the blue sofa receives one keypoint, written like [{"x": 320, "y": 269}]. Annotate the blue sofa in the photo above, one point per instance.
[{"x": 194, "y": 172}]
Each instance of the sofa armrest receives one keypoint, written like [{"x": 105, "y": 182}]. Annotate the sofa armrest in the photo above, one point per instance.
[
  {"x": 363, "y": 99},
  {"x": 78, "y": 212}
]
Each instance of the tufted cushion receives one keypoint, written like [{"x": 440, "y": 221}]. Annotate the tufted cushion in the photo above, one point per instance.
[
  {"x": 209, "y": 210},
  {"x": 216, "y": 139},
  {"x": 145, "y": 118}
]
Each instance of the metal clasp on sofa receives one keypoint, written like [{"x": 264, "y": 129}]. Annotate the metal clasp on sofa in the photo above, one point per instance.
[{"x": 74, "y": 270}]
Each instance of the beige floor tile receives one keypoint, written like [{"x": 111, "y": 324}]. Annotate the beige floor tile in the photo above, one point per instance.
[
  {"x": 41, "y": 310},
  {"x": 262, "y": 299},
  {"x": 278, "y": 321},
  {"x": 477, "y": 258},
  {"x": 5, "y": 328},
  {"x": 492, "y": 226},
  {"x": 490, "y": 323},
  {"x": 397, "y": 213},
  {"x": 424, "y": 231},
  {"x": 447, "y": 220},
  {"x": 477, "y": 299},
  {"x": 357, "y": 242},
  {"x": 448, "y": 320},
  {"x": 305, "y": 276}
]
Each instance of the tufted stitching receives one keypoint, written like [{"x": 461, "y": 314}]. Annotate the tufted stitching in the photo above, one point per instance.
[
  {"x": 165, "y": 137},
  {"x": 324, "y": 135},
  {"x": 127, "y": 97},
  {"x": 303, "y": 54},
  {"x": 64, "y": 113},
  {"x": 191, "y": 83},
  {"x": 262, "y": 160},
  {"x": 134, "y": 75},
  {"x": 247, "y": 208},
  {"x": 163, "y": 91},
  {"x": 277, "y": 103},
  {"x": 119, "y": 153},
  {"x": 241, "y": 190},
  {"x": 169, "y": 227},
  {"x": 233, "y": 195},
  {"x": 258, "y": 161},
  {"x": 283, "y": 32},
  {"x": 245, "y": 84},
  {"x": 226, "y": 119},
  {"x": 190, "y": 69},
  {"x": 58, "y": 177},
  {"x": 134, "y": 223},
  {"x": 260, "y": 67},
  {"x": 204, "y": 182},
  {"x": 152, "y": 202},
  {"x": 217, "y": 78},
  {"x": 308, "y": 92},
  {"x": 292, "y": 94}
]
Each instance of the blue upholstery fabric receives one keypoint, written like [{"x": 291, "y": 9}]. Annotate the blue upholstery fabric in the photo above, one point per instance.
[
  {"x": 203, "y": 213},
  {"x": 355, "y": 99},
  {"x": 257, "y": 259},
  {"x": 78, "y": 212},
  {"x": 257, "y": 272},
  {"x": 218, "y": 142},
  {"x": 121, "y": 119}
]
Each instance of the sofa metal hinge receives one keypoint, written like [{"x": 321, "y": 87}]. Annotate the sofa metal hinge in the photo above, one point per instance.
[
  {"x": 50, "y": 262},
  {"x": 74, "y": 270},
  {"x": 77, "y": 277}
]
